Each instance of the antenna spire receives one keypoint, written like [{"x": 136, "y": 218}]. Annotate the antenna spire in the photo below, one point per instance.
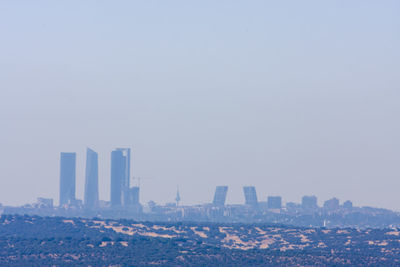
[{"x": 178, "y": 197}]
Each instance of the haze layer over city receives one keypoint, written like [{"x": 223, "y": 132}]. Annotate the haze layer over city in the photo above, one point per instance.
[{"x": 295, "y": 98}]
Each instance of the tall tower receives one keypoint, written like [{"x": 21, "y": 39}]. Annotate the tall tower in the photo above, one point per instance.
[
  {"x": 92, "y": 179},
  {"x": 67, "y": 177},
  {"x": 125, "y": 182},
  {"x": 178, "y": 197},
  {"x": 120, "y": 174},
  {"x": 250, "y": 196},
  {"x": 220, "y": 195},
  {"x": 117, "y": 176}
]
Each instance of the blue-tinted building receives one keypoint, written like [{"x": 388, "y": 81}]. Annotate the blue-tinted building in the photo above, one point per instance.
[
  {"x": 332, "y": 204},
  {"x": 135, "y": 196},
  {"x": 309, "y": 202},
  {"x": 117, "y": 177},
  {"x": 250, "y": 196},
  {"x": 91, "y": 197},
  {"x": 220, "y": 195},
  {"x": 274, "y": 202},
  {"x": 67, "y": 178},
  {"x": 125, "y": 182}
]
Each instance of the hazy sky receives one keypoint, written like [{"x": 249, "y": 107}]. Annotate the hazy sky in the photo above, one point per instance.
[{"x": 294, "y": 97}]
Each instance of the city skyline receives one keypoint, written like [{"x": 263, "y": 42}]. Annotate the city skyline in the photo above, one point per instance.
[
  {"x": 123, "y": 195},
  {"x": 125, "y": 202},
  {"x": 282, "y": 96},
  {"x": 91, "y": 173},
  {"x": 201, "y": 133}
]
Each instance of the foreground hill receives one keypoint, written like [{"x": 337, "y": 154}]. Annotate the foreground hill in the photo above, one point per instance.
[{"x": 33, "y": 240}]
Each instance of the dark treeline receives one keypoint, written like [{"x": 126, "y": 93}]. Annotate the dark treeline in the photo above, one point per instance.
[{"x": 30, "y": 241}]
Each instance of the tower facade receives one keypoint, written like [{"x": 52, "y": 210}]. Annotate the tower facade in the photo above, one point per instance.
[
  {"x": 117, "y": 176},
  {"x": 220, "y": 195},
  {"x": 274, "y": 202},
  {"x": 250, "y": 196},
  {"x": 125, "y": 182},
  {"x": 67, "y": 177},
  {"x": 309, "y": 202},
  {"x": 91, "y": 179}
]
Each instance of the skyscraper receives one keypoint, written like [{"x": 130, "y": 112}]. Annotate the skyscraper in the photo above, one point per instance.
[
  {"x": 220, "y": 195},
  {"x": 250, "y": 195},
  {"x": 117, "y": 176},
  {"x": 91, "y": 180},
  {"x": 125, "y": 182},
  {"x": 67, "y": 177}
]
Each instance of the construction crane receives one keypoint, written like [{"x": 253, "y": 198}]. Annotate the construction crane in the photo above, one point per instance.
[{"x": 138, "y": 179}]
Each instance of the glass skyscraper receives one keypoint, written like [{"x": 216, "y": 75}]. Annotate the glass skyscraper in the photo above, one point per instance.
[
  {"x": 220, "y": 195},
  {"x": 120, "y": 174},
  {"x": 92, "y": 179},
  {"x": 250, "y": 195},
  {"x": 67, "y": 177},
  {"x": 125, "y": 183},
  {"x": 117, "y": 176}
]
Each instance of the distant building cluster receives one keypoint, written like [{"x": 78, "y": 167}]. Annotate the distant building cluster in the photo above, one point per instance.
[
  {"x": 121, "y": 193},
  {"x": 125, "y": 202},
  {"x": 124, "y": 198}
]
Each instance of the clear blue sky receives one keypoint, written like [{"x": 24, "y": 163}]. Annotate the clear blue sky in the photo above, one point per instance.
[{"x": 294, "y": 97}]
